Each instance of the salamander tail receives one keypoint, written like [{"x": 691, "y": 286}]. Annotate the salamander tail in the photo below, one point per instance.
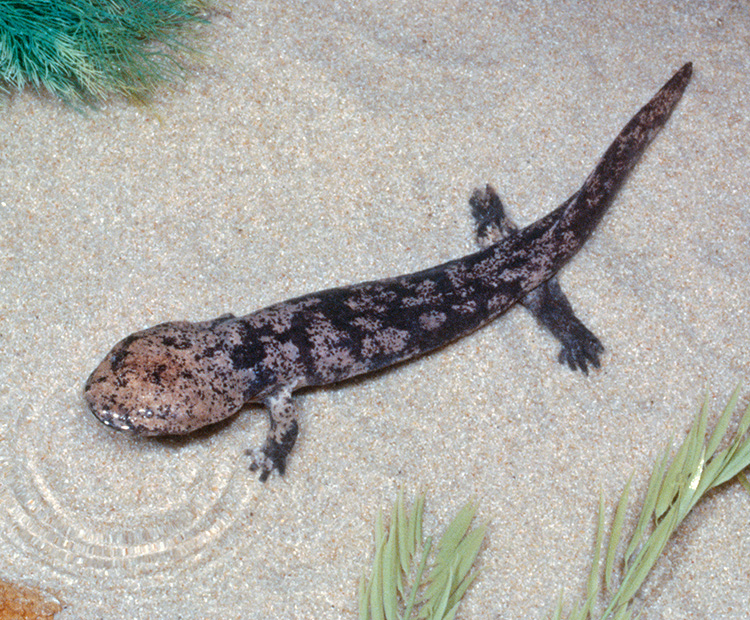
[{"x": 595, "y": 196}]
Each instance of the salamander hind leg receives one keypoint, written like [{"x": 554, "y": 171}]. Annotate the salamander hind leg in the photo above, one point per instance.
[
  {"x": 489, "y": 215},
  {"x": 281, "y": 435},
  {"x": 547, "y": 302},
  {"x": 580, "y": 347}
]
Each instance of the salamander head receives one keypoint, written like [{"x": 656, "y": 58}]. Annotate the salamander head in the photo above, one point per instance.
[{"x": 167, "y": 380}]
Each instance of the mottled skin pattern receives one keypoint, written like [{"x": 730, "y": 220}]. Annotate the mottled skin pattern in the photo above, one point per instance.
[{"x": 176, "y": 377}]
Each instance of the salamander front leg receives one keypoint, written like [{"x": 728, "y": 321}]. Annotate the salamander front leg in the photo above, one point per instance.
[
  {"x": 547, "y": 302},
  {"x": 281, "y": 435}
]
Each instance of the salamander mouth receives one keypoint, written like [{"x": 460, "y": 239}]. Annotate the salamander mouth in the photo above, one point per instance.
[{"x": 114, "y": 419}]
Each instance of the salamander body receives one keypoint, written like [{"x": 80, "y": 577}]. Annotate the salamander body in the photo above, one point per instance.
[{"x": 176, "y": 377}]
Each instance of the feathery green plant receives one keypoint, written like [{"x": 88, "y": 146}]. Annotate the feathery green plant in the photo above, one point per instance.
[
  {"x": 400, "y": 557},
  {"x": 673, "y": 490},
  {"x": 85, "y": 50}
]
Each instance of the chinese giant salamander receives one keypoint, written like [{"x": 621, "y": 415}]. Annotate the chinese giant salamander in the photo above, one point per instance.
[{"x": 176, "y": 377}]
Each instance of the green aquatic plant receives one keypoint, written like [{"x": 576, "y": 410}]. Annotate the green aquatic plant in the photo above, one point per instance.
[
  {"x": 673, "y": 490},
  {"x": 86, "y": 50},
  {"x": 401, "y": 586}
]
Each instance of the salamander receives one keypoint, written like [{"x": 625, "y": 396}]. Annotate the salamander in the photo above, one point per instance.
[{"x": 180, "y": 376}]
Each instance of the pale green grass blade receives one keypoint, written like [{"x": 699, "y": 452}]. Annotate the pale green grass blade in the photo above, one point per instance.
[
  {"x": 577, "y": 613},
  {"x": 585, "y": 611},
  {"x": 405, "y": 547},
  {"x": 400, "y": 531},
  {"x": 442, "y": 604},
  {"x": 649, "y": 503},
  {"x": 436, "y": 582},
  {"x": 701, "y": 421},
  {"x": 669, "y": 484},
  {"x": 711, "y": 471},
  {"x": 364, "y": 598},
  {"x": 731, "y": 461},
  {"x": 417, "y": 518},
  {"x": 592, "y": 586},
  {"x": 454, "y": 580},
  {"x": 458, "y": 594},
  {"x": 446, "y": 552},
  {"x": 452, "y": 537},
  {"x": 616, "y": 534},
  {"x": 722, "y": 424},
  {"x": 466, "y": 554},
  {"x": 434, "y": 607},
  {"x": 744, "y": 481},
  {"x": 631, "y": 581},
  {"x": 454, "y": 560},
  {"x": 376, "y": 591},
  {"x": 414, "y": 530},
  {"x": 681, "y": 466},
  {"x": 694, "y": 470},
  {"x": 435, "y": 588},
  {"x": 417, "y": 580},
  {"x": 696, "y": 452},
  {"x": 468, "y": 550},
  {"x": 391, "y": 569},
  {"x": 451, "y": 614},
  {"x": 376, "y": 580},
  {"x": 624, "y": 613},
  {"x": 682, "y": 483},
  {"x": 651, "y": 551},
  {"x": 738, "y": 452},
  {"x": 738, "y": 461},
  {"x": 744, "y": 422},
  {"x": 379, "y": 533},
  {"x": 644, "y": 560},
  {"x": 741, "y": 454}
]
